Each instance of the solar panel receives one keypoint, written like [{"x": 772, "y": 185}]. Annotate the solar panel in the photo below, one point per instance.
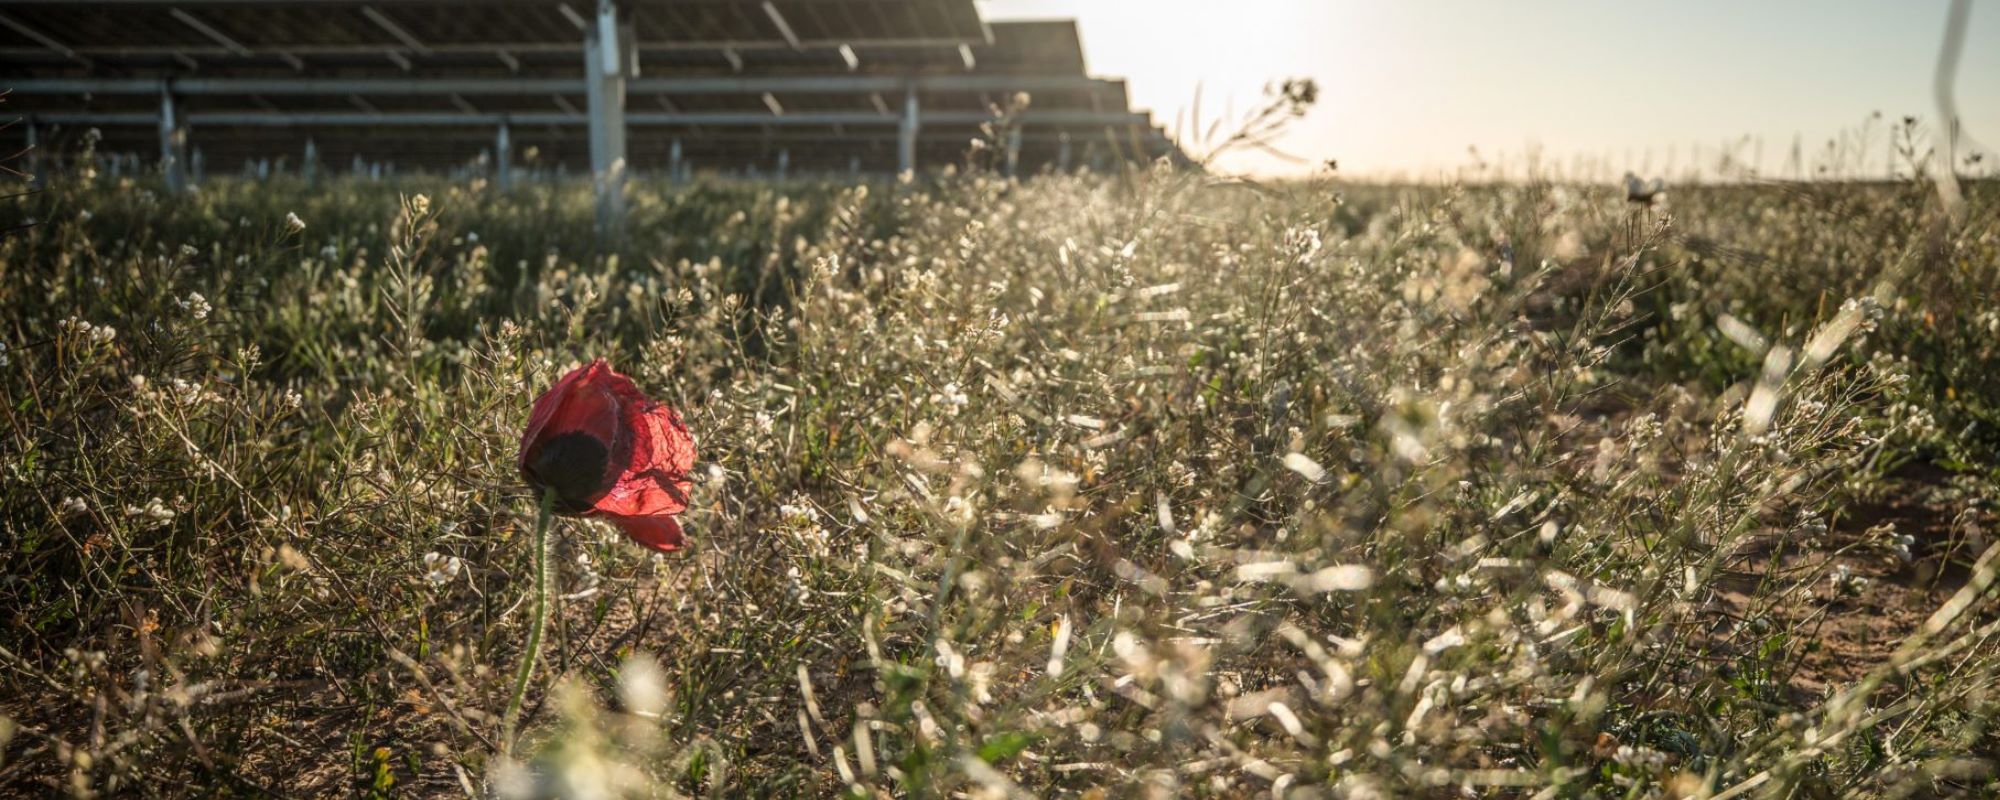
[
  {"x": 317, "y": 37},
  {"x": 734, "y": 85}
]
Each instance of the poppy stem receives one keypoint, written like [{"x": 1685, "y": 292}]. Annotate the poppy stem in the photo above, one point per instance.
[{"x": 536, "y": 623}]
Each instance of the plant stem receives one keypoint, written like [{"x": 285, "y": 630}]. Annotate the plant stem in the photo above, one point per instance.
[{"x": 538, "y": 620}]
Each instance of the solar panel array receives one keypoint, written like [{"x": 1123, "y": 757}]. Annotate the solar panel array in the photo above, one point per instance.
[{"x": 741, "y": 86}]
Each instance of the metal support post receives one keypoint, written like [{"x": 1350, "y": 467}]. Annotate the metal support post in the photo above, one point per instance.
[
  {"x": 173, "y": 143},
  {"x": 503, "y": 156},
  {"x": 906, "y": 133},
  {"x": 606, "y": 67}
]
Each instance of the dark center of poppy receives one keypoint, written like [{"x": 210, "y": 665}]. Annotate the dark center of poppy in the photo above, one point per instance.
[{"x": 574, "y": 464}]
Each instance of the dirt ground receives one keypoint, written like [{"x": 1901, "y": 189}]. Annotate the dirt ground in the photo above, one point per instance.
[{"x": 1861, "y": 589}]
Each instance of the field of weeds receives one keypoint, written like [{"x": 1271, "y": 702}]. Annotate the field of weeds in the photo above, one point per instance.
[{"x": 1135, "y": 485}]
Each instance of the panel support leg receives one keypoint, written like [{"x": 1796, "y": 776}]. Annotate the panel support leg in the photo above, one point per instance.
[
  {"x": 606, "y": 65},
  {"x": 1013, "y": 150},
  {"x": 906, "y": 135},
  {"x": 503, "y": 156},
  {"x": 173, "y": 143},
  {"x": 34, "y": 155}
]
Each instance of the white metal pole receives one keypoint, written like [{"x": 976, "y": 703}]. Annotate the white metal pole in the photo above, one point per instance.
[
  {"x": 1013, "y": 150},
  {"x": 34, "y": 155},
  {"x": 173, "y": 143},
  {"x": 503, "y": 155},
  {"x": 906, "y": 134},
  {"x": 605, "y": 67}
]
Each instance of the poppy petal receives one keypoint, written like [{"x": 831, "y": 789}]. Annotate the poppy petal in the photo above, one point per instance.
[
  {"x": 655, "y": 479},
  {"x": 585, "y": 400},
  {"x": 586, "y": 403},
  {"x": 662, "y": 533},
  {"x": 589, "y": 407},
  {"x": 546, "y": 405}
]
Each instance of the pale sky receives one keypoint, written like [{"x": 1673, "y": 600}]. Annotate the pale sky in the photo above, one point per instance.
[{"x": 1407, "y": 87}]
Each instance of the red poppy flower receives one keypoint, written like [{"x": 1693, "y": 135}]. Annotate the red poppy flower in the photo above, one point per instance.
[{"x": 610, "y": 452}]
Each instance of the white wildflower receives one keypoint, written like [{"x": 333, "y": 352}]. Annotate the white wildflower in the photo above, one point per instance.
[
  {"x": 588, "y": 581},
  {"x": 196, "y": 305},
  {"x": 188, "y": 393},
  {"x": 154, "y": 509},
  {"x": 442, "y": 568},
  {"x": 1869, "y": 309},
  {"x": 1845, "y": 582},
  {"x": 952, "y": 397},
  {"x": 799, "y": 511}
]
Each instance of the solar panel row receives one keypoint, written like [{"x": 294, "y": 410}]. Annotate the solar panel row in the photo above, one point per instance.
[{"x": 605, "y": 87}]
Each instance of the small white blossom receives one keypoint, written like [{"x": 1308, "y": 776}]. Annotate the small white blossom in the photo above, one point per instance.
[
  {"x": 952, "y": 397},
  {"x": 1898, "y": 544},
  {"x": 1870, "y": 309},
  {"x": 189, "y": 393},
  {"x": 442, "y": 568},
  {"x": 801, "y": 512},
  {"x": 154, "y": 509},
  {"x": 588, "y": 582},
  {"x": 293, "y": 223},
  {"x": 1845, "y": 582},
  {"x": 196, "y": 305}
]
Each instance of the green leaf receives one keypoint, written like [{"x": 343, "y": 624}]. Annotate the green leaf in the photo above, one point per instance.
[{"x": 1005, "y": 746}]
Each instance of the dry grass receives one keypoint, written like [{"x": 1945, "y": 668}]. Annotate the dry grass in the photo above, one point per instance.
[{"x": 1127, "y": 485}]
